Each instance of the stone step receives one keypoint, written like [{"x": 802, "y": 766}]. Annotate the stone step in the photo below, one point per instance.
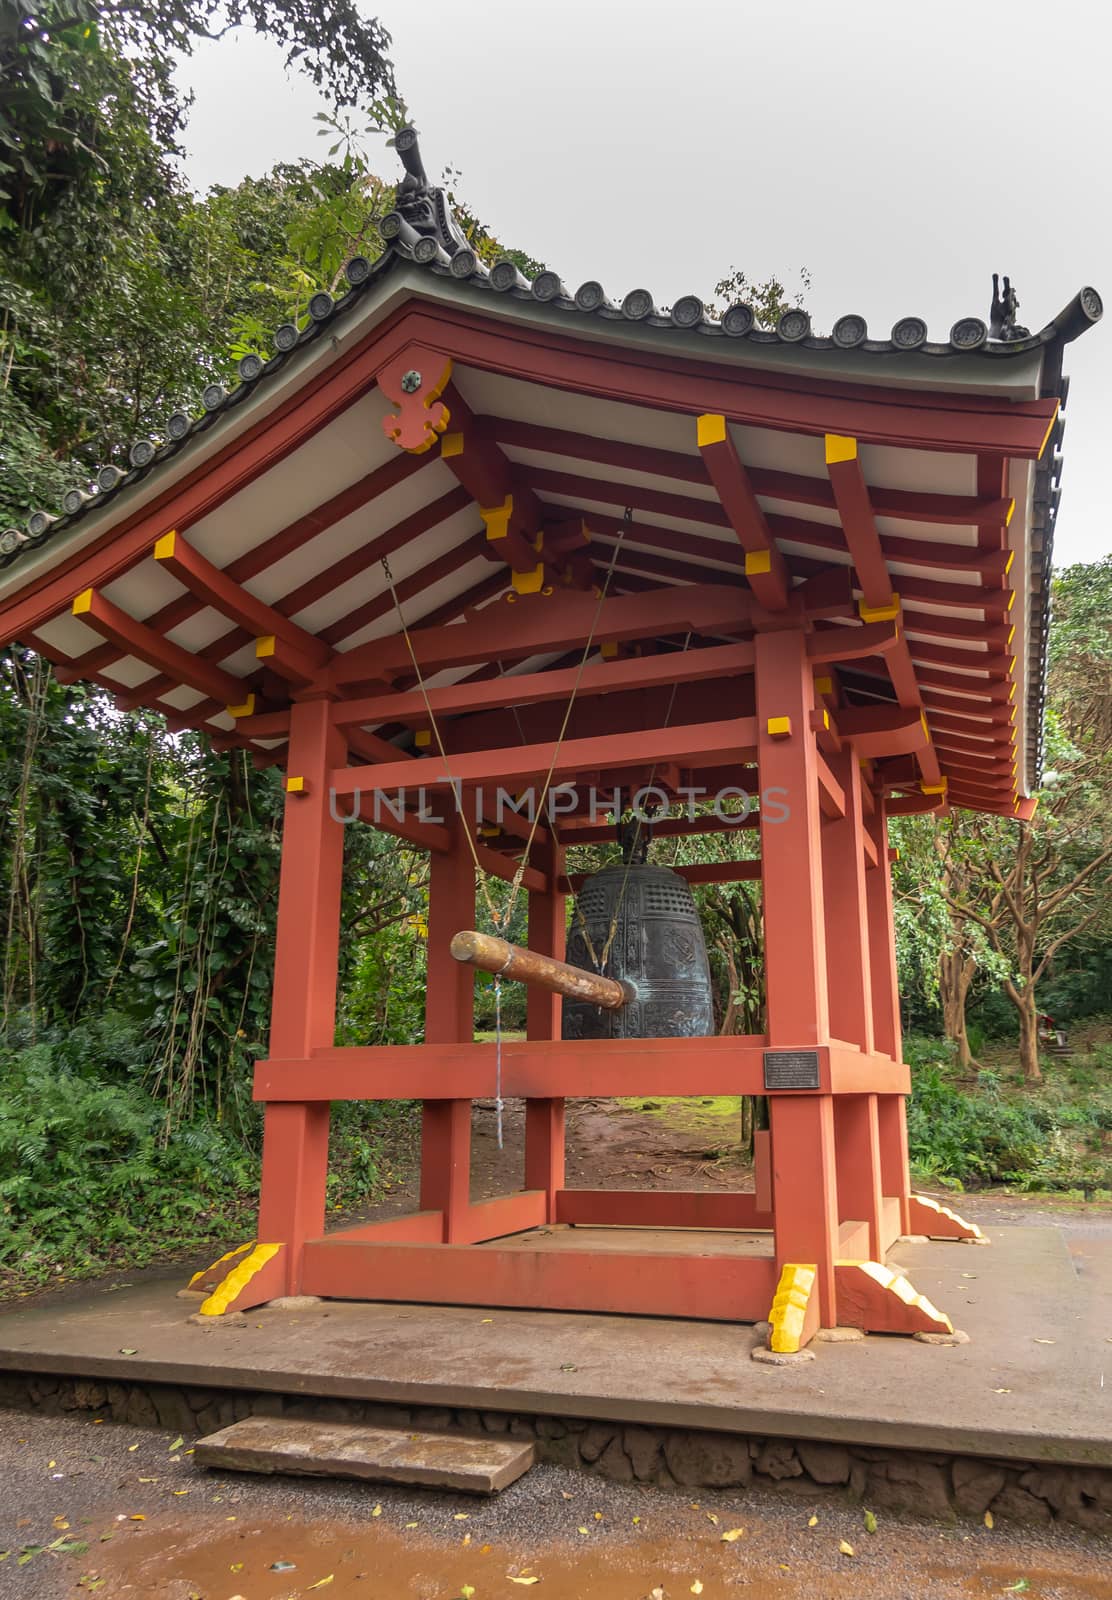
[{"x": 477, "y": 1465}]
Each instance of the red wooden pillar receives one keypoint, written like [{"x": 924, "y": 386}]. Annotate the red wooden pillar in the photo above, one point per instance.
[
  {"x": 882, "y": 940},
  {"x": 892, "y": 1109},
  {"x": 303, "y": 1012},
  {"x": 545, "y": 1119},
  {"x": 449, "y": 1019},
  {"x": 805, "y": 1201},
  {"x": 860, "y": 1185},
  {"x": 848, "y": 959}
]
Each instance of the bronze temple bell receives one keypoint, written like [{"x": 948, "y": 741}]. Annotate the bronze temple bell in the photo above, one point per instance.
[{"x": 638, "y": 923}]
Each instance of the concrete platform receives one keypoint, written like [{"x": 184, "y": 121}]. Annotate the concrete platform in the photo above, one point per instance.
[{"x": 1030, "y": 1386}]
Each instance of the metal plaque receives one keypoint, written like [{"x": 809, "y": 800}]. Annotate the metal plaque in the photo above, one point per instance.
[{"x": 791, "y": 1069}]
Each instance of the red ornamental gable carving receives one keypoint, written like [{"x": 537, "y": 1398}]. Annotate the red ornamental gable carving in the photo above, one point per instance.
[{"x": 414, "y": 382}]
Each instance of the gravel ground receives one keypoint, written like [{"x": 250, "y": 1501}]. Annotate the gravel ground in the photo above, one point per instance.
[{"x": 156, "y": 1524}]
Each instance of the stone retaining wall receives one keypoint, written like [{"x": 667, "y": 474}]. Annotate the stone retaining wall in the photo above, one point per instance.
[{"x": 928, "y": 1484}]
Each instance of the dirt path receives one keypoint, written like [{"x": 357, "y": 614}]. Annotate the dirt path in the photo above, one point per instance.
[{"x": 155, "y": 1524}]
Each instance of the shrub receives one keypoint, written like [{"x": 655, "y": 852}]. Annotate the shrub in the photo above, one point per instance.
[{"x": 976, "y": 1138}]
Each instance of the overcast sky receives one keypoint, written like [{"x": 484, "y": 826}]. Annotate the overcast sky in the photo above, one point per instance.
[{"x": 901, "y": 153}]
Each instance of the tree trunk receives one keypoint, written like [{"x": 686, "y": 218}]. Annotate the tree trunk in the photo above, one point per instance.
[
  {"x": 955, "y": 974},
  {"x": 1029, "y": 1037}
]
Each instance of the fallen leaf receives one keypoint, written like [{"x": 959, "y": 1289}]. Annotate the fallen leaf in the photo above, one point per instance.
[
  {"x": 126, "y": 1350},
  {"x": 712, "y": 1518},
  {"x": 236, "y": 1566},
  {"x": 181, "y": 1491},
  {"x": 696, "y": 1587},
  {"x": 1019, "y": 1587},
  {"x": 322, "y": 1583},
  {"x": 584, "y": 1530},
  {"x": 988, "y": 1519},
  {"x": 466, "y": 1590},
  {"x": 412, "y": 1524},
  {"x": 1001, "y": 1391},
  {"x": 870, "y": 1522},
  {"x": 732, "y": 1535},
  {"x": 130, "y": 1448},
  {"x": 177, "y": 1444},
  {"x": 568, "y": 1366},
  {"x": 813, "y": 1522},
  {"x": 462, "y": 1516},
  {"x": 485, "y": 1549},
  {"x": 598, "y": 1516},
  {"x": 60, "y": 1522},
  {"x": 525, "y": 1580},
  {"x": 283, "y": 1566},
  {"x": 377, "y": 1512},
  {"x": 148, "y": 1480},
  {"x": 466, "y": 1539},
  {"x": 1046, "y": 1341},
  {"x": 137, "y": 1516},
  {"x": 485, "y": 1319},
  {"x": 846, "y": 1549},
  {"x": 636, "y": 1520}
]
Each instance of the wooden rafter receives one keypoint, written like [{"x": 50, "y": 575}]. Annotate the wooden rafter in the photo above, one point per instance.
[
  {"x": 764, "y": 565},
  {"x": 140, "y": 640}
]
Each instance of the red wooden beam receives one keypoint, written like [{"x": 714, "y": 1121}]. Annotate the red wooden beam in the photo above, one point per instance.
[
  {"x": 137, "y": 639},
  {"x": 694, "y": 744},
  {"x": 851, "y": 495},
  {"x": 986, "y": 663},
  {"x": 883, "y": 730},
  {"x": 990, "y": 566},
  {"x": 214, "y": 587},
  {"x": 648, "y": 1208},
  {"x": 849, "y": 643},
  {"x": 954, "y": 687},
  {"x": 538, "y": 625},
  {"x": 724, "y": 1287},
  {"x": 635, "y": 672},
  {"x": 764, "y": 565}
]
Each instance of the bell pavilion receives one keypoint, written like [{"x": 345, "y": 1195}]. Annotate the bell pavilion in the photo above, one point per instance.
[{"x": 464, "y": 535}]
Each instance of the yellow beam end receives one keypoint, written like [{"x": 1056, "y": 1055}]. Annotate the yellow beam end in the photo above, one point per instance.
[
  {"x": 779, "y": 727},
  {"x": 839, "y": 447},
  {"x": 888, "y": 613},
  {"x": 1011, "y": 633},
  {"x": 1010, "y": 560},
  {"x": 296, "y": 786},
  {"x": 266, "y": 646},
  {"x": 237, "y": 1280},
  {"x": 497, "y": 518},
  {"x": 83, "y": 602},
  {"x": 1010, "y": 515},
  {"x": 451, "y": 444},
  {"x": 824, "y": 685},
  {"x": 757, "y": 561},
  {"x": 710, "y": 429},
  {"x": 247, "y": 709},
  {"x": 935, "y": 788},
  {"x": 1012, "y": 687},
  {"x": 1011, "y": 600},
  {"x": 1046, "y": 435},
  {"x": 608, "y": 650},
  {"x": 529, "y": 582},
  {"x": 164, "y": 547},
  {"x": 926, "y": 725},
  {"x": 423, "y": 738}
]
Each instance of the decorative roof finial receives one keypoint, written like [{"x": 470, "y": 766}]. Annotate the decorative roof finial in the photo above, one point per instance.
[
  {"x": 423, "y": 206},
  {"x": 1002, "y": 323}
]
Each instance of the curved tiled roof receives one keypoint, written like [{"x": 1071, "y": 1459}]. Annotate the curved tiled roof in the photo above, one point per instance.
[{"x": 423, "y": 232}]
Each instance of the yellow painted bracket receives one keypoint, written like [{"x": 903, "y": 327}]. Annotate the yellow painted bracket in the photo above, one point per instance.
[
  {"x": 497, "y": 518},
  {"x": 779, "y": 727},
  {"x": 237, "y": 1280},
  {"x": 873, "y": 1297},
  {"x": 789, "y": 1309},
  {"x": 939, "y": 1222},
  {"x": 230, "y": 1255},
  {"x": 756, "y": 562},
  {"x": 527, "y": 582}
]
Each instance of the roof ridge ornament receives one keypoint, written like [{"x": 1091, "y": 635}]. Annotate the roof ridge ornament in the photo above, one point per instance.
[
  {"x": 1002, "y": 323},
  {"x": 422, "y": 205}
]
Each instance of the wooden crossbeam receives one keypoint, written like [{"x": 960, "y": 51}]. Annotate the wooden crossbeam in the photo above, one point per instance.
[
  {"x": 829, "y": 645},
  {"x": 764, "y": 565},
  {"x": 992, "y": 664},
  {"x": 954, "y": 687},
  {"x": 538, "y": 625},
  {"x": 992, "y": 635},
  {"x": 605, "y": 677},
  {"x": 883, "y": 730},
  {"x": 693, "y": 744},
  {"x": 915, "y": 805},
  {"x": 213, "y": 587},
  {"x": 851, "y": 496},
  {"x": 989, "y": 566},
  {"x": 725, "y": 551},
  {"x": 832, "y": 797},
  {"x": 140, "y": 640}
]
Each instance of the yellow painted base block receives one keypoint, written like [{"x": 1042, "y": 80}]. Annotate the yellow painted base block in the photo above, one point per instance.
[
  {"x": 939, "y": 1222},
  {"x": 873, "y": 1297},
  {"x": 226, "y": 1293},
  {"x": 229, "y": 1255},
  {"x": 794, "y": 1316}
]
